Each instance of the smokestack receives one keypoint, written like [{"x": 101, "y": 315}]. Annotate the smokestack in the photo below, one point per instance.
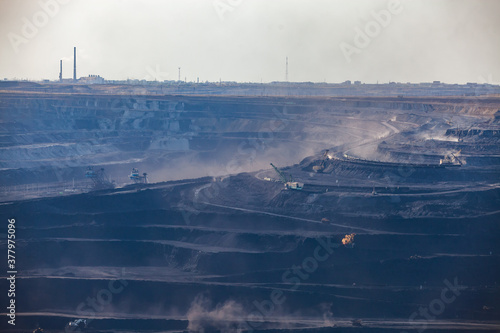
[
  {"x": 60, "y": 71},
  {"x": 74, "y": 64},
  {"x": 286, "y": 73}
]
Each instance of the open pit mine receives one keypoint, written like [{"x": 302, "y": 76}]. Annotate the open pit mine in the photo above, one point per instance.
[{"x": 149, "y": 209}]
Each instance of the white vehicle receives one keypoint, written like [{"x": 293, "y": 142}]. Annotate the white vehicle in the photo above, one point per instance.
[{"x": 78, "y": 323}]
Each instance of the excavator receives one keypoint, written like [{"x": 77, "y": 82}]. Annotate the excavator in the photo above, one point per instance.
[
  {"x": 100, "y": 180},
  {"x": 452, "y": 159},
  {"x": 348, "y": 240},
  {"x": 287, "y": 180},
  {"x": 137, "y": 178},
  {"x": 80, "y": 324},
  {"x": 321, "y": 166}
]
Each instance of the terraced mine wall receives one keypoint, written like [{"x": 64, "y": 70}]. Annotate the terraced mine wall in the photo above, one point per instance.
[
  {"x": 173, "y": 266},
  {"x": 53, "y": 137}
]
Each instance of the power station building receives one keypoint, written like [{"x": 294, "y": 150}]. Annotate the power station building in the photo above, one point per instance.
[{"x": 91, "y": 79}]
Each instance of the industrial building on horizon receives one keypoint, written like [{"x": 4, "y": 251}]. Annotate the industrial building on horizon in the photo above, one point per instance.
[
  {"x": 463, "y": 89},
  {"x": 61, "y": 79},
  {"x": 91, "y": 79}
]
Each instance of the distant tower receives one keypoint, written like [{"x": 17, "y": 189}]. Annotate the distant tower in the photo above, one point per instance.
[
  {"x": 60, "y": 71},
  {"x": 74, "y": 63},
  {"x": 179, "y": 74},
  {"x": 286, "y": 74}
]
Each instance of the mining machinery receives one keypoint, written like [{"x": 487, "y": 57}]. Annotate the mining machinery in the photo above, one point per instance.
[
  {"x": 283, "y": 176},
  {"x": 100, "y": 180},
  {"x": 137, "y": 178},
  {"x": 452, "y": 159},
  {"x": 287, "y": 180},
  {"x": 321, "y": 166},
  {"x": 357, "y": 322},
  {"x": 80, "y": 324},
  {"x": 459, "y": 161},
  {"x": 348, "y": 240}
]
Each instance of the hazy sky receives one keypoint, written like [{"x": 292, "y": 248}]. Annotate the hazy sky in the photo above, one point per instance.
[{"x": 454, "y": 41}]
